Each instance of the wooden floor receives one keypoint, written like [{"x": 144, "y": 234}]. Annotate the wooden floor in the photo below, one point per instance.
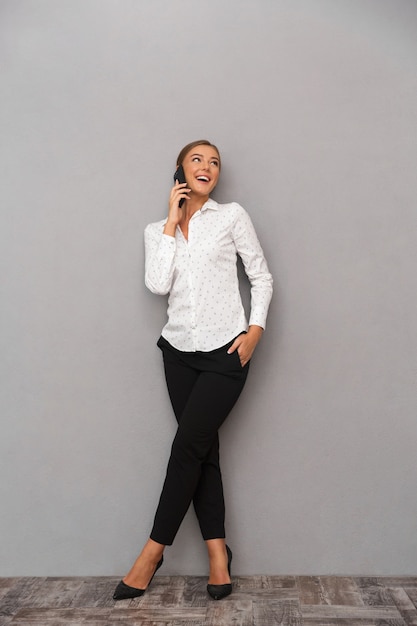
[{"x": 183, "y": 601}]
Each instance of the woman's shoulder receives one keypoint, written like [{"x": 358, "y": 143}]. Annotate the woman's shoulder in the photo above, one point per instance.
[
  {"x": 234, "y": 213},
  {"x": 155, "y": 227},
  {"x": 231, "y": 207}
]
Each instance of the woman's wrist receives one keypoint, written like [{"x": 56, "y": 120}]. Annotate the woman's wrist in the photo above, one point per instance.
[
  {"x": 255, "y": 333},
  {"x": 255, "y": 330},
  {"x": 170, "y": 229}
]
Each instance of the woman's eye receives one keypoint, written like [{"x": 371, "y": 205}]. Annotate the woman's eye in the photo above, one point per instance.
[
  {"x": 196, "y": 158},
  {"x": 216, "y": 163}
]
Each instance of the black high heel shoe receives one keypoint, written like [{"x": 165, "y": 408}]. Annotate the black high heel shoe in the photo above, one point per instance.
[
  {"x": 218, "y": 592},
  {"x": 123, "y": 591}
]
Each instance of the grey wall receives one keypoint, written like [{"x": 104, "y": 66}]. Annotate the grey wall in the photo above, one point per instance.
[{"x": 314, "y": 107}]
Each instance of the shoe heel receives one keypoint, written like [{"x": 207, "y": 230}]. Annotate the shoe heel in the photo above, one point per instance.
[
  {"x": 124, "y": 592},
  {"x": 218, "y": 592}
]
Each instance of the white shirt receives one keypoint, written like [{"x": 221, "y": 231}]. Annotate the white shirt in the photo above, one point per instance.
[{"x": 205, "y": 309}]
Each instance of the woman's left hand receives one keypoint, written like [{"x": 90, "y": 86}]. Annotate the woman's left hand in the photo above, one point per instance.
[{"x": 246, "y": 343}]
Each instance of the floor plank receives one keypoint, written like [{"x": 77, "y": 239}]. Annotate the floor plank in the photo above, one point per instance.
[
  {"x": 404, "y": 605},
  {"x": 274, "y": 613},
  {"x": 341, "y": 590},
  {"x": 374, "y": 593},
  {"x": 57, "y": 617},
  {"x": 318, "y": 612},
  {"x": 229, "y": 612},
  {"x": 412, "y": 594}
]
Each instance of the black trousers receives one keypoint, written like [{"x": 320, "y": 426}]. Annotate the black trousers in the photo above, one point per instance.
[{"x": 203, "y": 388}]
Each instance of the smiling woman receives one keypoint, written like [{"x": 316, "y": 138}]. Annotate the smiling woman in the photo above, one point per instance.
[
  {"x": 207, "y": 345},
  {"x": 195, "y": 144},
  {"x": 200, "y": 161}
]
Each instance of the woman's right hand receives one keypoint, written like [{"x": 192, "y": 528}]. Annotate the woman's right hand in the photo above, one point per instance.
[{"x": 179, "y": 191}]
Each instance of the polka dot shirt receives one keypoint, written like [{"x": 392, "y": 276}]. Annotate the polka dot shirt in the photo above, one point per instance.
[{"x": 205, "y": 309}]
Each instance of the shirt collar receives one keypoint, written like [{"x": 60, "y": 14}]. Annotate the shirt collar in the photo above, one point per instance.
[{"x": 210, "y": 204}]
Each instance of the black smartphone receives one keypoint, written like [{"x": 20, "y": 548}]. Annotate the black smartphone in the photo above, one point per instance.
[{"x": 180, "y": 177}]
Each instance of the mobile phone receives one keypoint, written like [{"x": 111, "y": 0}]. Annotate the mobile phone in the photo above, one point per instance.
[{"x": 180, "y": 177}]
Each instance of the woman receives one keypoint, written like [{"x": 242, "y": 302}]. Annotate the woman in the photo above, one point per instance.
[{"x": 206, "y": 345}]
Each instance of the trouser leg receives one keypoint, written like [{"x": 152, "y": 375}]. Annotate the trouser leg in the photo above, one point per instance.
[
  {"x": 193, "y": 468},
  {"x": 208, "y": 498}
]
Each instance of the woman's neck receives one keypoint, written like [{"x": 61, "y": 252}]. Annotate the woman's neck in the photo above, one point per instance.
[{"x": 193, "y": 205}]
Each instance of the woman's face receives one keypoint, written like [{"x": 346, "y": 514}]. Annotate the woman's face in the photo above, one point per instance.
[{"x": 201, "y": 168}]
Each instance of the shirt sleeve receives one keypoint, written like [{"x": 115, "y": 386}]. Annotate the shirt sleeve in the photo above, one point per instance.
[
  {"x": 160, "y": 252},
  {"x": 256, "y": 268}
]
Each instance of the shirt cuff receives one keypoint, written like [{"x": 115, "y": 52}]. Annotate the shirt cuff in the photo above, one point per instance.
[
  {"x": 258, "y": 318},
  {"x": 168, "y": 238}
]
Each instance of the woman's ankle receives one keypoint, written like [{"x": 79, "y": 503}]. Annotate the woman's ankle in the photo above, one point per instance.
[{"x": 153, "y": 551}]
